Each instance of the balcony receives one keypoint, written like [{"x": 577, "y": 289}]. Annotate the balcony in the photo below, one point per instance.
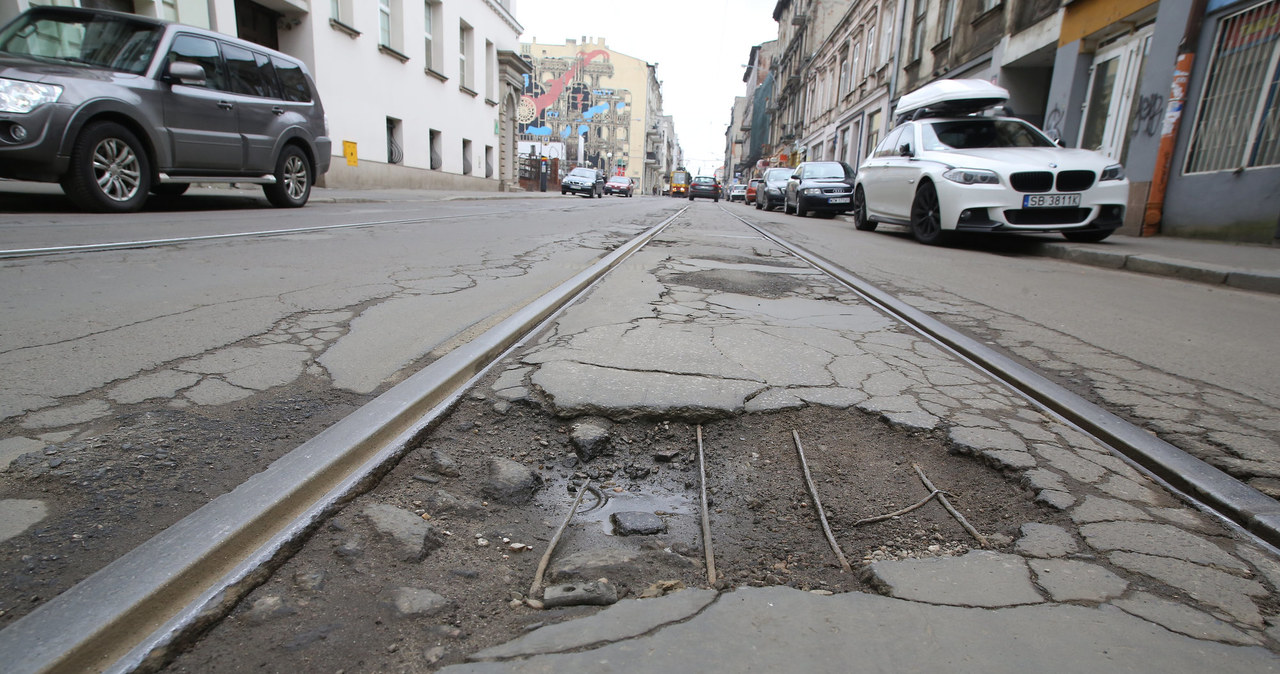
[{"x": 651, "y": 157}]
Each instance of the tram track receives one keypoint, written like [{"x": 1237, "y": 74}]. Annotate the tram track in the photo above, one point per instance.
[
  {"x": 264, "y": 521},
  {"x": 124, "y": 616}
]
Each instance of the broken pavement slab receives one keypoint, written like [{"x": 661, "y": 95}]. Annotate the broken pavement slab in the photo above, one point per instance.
[
  {"x": 775, "y": 629},
  {"x": 979, "y": 578}
]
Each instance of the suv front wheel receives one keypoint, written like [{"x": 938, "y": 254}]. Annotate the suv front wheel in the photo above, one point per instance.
[
  {"x": 293, "y": 179},
  {"x": 110, "y": 171}
]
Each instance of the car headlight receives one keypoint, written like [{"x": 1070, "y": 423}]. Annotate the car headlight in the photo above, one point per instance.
[
  {"x": 773, "y": 190},
  {"x": 811, "y": 191},
  {"x": 972, "y": 177},
  {"x": 1112, "y": 172},
  {"x": 23, "y": 97}
]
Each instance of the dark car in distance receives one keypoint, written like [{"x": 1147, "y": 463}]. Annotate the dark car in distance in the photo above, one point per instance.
[
  {"x": 773, "y": 185},
  {"x": 588, "y": 182},
  {"x": 620, "y": 185},
  {"x": 823, "y": 187},
  {"x": 705, "y": 187},
  {"x": 115, "y": 106}
]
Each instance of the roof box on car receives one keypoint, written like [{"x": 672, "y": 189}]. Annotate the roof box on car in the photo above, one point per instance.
[{"x": 951, "y": 97}]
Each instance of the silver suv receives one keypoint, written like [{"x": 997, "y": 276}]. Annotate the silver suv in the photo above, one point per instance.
[{"x": 115, "y": 106}]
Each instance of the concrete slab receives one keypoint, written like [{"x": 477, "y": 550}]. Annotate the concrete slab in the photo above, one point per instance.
[
  {"x": 979, "y": 578},
  {"x": 780, "y": 629}
]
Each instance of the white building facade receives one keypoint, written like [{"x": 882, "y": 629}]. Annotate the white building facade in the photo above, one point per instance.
[{"x": 418, "y": 94}]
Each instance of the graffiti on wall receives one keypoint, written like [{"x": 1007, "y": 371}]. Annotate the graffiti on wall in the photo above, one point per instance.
[
  {"x": 570, "y": 100},
  {"x": 1148, "y": 115}
]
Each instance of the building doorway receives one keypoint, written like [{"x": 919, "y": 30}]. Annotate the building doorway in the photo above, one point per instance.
[
  {"x": 1113, "y": 96},
  {"x": 257, "y": 24}
]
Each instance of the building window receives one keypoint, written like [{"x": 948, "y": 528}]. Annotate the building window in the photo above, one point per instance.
[
  {"x": 466, "y": 157},
  {"x": 870, "y": 63},
  {"x": 431, "y": 18},
  {"x": 844, "y": 74},
  {"x": 395, "y": 142},
  {"x": 488, "y": 161},
  {"x": 873, "y": 132},
  {"x": 948, "y": 18},
  {"x": 465, "y": 35},
  {"x": 1238, "y": 123},
  {"x": 390, "y": 31},
  {"x": 856, "y": 69},
  {"x": 490, "y": 70},
  {"x": 988, "y": 5},
  {"x": 436, "y": 141},
  {"x": 917, "y": 30}
]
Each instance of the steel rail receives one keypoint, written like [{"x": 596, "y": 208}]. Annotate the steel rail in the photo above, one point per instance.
[
  {"x": 133, "y": 613},
  {"x": 1237, "y": 502}
]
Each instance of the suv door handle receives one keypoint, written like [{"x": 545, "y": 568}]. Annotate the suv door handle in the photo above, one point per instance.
[
  {"x": 277, "y": 110},
  {"x": 226, "y": 105}
]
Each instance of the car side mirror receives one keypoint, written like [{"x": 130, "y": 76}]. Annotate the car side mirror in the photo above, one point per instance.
[
  {"x": 905, "y": 151},
  {"x": 1054, "y": 136},
  {"x": 184, "y": 72}
]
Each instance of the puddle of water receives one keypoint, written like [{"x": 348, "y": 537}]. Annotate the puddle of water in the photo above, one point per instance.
[{"x": 661, "y": 502}]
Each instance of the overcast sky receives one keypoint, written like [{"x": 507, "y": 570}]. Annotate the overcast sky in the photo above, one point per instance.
[{"x": 700, "y": 47}]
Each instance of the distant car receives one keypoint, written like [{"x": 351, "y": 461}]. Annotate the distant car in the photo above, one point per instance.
[
  {"x": 115, "y": 106},
  {"x": 753, "y": 188},
  {"x": 620, "y": 185},
  {"x": 948, "y": 169},
  {"x": 705, "y": 187},
  {"x": 823, "y": 187},
  {"x": 773, "y": 185},
  {"x": 737, "y": 192},
  {"x": 588, "y": 182}
]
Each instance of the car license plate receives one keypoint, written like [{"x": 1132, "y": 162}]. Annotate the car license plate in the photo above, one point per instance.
[
  {"x": 1050, "y": 200},
  {"x": 838, "y": 200}
]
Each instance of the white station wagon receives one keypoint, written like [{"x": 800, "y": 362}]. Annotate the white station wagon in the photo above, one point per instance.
[{"x": 946, "y": 167}]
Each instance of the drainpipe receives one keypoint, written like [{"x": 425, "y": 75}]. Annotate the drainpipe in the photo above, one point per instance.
[{"x": 1154, "y": 214}]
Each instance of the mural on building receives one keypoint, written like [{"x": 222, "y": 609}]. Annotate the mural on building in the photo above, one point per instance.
[{"x": 567, "y": 100}]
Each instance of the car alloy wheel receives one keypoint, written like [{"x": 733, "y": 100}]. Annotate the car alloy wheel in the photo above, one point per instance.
[
  {"x": 860, "y": 219},
  {"x": 109, "y": 170},
  {"x": 293, "y": 179},
  {"x": 926, "y": 216}
]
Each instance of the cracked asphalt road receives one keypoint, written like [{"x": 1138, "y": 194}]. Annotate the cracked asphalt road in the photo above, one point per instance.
[
  {"x": 137, "y": 385},
  {"x": 1088, "y": 563}
]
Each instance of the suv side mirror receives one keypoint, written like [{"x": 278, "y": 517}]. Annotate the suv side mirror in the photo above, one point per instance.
[{"x": 184, "y": 72}]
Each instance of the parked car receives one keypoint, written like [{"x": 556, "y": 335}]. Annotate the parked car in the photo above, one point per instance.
[
  {"x": 753, "y": 187},
  {"x": 737, "y": 192},
  {"x": 705, "y": 187},
  {"x": 947, "y": 168},
  {"x": 620, "y": 185},
  {"x": 115, "y": 106},
  {"x": 773, "y": 186},
  {"x": 586, "y": 181},
  {"x": 823, "y": 187}
]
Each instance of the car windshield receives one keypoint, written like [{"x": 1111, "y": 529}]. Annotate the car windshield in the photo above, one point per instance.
[
  {"x": 115, "y": 43},
  {"x": 583, "y": 173},
  {"x": 830, "y": 171},
  {"x": 773, "y": 175},
  {"x": 973, "y": 134},
  {"x": 704, "y": 181}
]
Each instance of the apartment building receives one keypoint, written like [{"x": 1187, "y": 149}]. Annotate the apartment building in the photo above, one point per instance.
[
  {"x": 586, "y": 104},
  {"x": 1196, "y": 126},
  {"x": 418, "y": 94}
]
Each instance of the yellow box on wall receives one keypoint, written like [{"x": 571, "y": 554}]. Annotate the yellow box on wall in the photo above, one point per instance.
[
  {"x": 1085, "y": 17},
  {"x": 349, "y": 151}
]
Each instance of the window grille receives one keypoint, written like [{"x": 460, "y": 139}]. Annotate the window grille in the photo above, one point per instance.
[{"x": 1238, "y": 121}]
